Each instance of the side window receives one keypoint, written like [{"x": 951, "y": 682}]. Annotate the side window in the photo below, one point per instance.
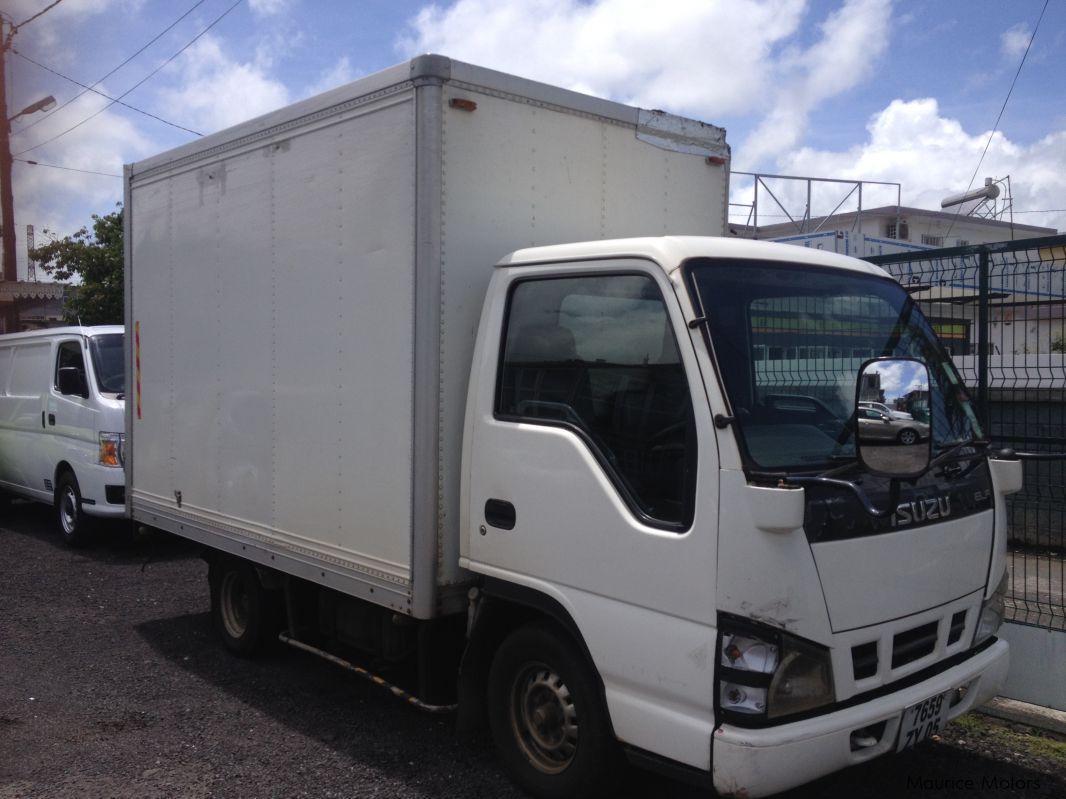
[
  {"x": 597, "y": 354},
  {"x": 69, "y": 354}
]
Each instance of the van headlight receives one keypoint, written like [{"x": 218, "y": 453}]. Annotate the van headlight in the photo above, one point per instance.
[
  {"x": 112, "y": 449},
  {"x": 992, "y": 612},
  {"x": 767, "y": 674}
]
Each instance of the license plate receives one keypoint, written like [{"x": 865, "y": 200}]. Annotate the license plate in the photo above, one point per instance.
[{"x": 922, "y": 721}]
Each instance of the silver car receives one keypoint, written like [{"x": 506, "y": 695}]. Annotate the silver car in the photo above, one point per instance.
[{"x": 877, "y": 426}]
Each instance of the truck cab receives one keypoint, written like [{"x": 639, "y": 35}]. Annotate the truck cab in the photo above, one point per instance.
[{"x": 744, "y": 589}]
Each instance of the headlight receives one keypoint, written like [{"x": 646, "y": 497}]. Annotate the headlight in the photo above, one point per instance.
[
  {"x": 112, "y": 449},
  {"x": 992, "y": 613},
  {"x": 769, "y": 674}
]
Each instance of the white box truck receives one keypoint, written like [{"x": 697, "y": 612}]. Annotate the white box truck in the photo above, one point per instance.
[
  {"x": 62, "y": 423},
  {"x": 610, "y": 496}
]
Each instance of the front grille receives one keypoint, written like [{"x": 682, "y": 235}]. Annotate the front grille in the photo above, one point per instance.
[
  {"x": 958, "y": 624},
  {"x": 864, "y": 660},
  {"x": 912, "y": 645}
]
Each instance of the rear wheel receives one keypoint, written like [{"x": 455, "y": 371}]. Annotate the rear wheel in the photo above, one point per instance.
[
  {"x": 547, "y": 718},
  {"x": 244, "y": 612},
  {"x": 75, "y": 526}
]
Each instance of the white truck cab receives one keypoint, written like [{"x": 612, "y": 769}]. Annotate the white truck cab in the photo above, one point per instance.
[
  {"x": 704, "y": 517},
  {"x": 62, "y": 439}
]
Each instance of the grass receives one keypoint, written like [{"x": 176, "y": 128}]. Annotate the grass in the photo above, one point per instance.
[{"x": 1021, "y": 738}]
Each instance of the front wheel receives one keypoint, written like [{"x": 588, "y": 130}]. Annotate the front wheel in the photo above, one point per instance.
[
  {"x": 75, "y": 526},
  {"x": 907, "y": 437},
  {"x": 547, "y": 718}
]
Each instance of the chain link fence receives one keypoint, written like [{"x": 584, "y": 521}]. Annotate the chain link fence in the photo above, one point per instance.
[{"x": 1001, "y": 310}]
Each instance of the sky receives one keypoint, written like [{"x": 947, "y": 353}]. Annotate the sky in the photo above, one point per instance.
[{"x": 899, "y": 91}]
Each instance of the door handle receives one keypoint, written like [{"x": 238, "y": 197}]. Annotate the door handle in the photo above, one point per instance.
[
  {"x": 51, "y": 419},
  {"x": 42, "y": 420},
  {"x": 500, "y": 513}
]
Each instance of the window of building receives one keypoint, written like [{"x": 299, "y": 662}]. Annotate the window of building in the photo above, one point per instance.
[
  {"x": 932, "y": 241},
  {"x": 901, "y": 233}
]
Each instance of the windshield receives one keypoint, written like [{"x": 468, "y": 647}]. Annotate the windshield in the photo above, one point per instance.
[
  {"x": 791, "y": 340},
  {"x": 108, "y": 363}
]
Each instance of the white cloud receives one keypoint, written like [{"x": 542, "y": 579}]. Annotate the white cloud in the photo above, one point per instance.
[
  {"x": 216, "y": 91},
  {"x": 708, "y": 60},
  {"x": 689, "y": 56},
  {"x": 269, "y": 8},
  {"x": 45, "y": 31},
  {"x": 337, "y": 75},
  {"x": 1014, "y": 42},
  {"x": 933, "y": 156},
  {"x": 853, "y": 40},
  {"x": 57, "y": 199}
]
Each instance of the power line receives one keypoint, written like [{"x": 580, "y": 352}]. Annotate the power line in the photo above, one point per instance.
[
  {"x": 109, "y": 74},
  {"x": 97, "y": 91},
  {"x": 35, "y": 16},
  {"x": 1003, "y": 108},
  {"x": 217, "y": 20},
  {"x": 67, "y": 168}
]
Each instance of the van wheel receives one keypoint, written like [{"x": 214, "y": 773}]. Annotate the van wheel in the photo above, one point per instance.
[
  {"x": 242, "y": 610},
  {"x": 547, "y": 719},
  {"x": 75, "y": 526}
]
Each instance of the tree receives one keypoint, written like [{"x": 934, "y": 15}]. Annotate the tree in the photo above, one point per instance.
[{"x": 96, "y": 259}]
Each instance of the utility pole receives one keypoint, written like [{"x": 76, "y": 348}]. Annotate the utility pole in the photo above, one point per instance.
[
  {"x": 7, "y": 218},
  {"x": 10, "y": 270}
]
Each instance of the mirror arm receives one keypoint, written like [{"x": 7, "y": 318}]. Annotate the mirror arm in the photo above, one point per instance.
[{"x": 893, "y": 492}]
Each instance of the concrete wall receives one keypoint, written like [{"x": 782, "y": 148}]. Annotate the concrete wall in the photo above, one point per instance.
[{"x": 1037, "y": 665}]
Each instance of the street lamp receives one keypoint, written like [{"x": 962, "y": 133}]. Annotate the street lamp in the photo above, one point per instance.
[{"x": 44, "y": 104}]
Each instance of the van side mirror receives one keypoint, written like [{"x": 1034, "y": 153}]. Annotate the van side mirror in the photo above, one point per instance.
[
  {"x": 72, "y": 382},
  {"x": 894, "y": 431}
]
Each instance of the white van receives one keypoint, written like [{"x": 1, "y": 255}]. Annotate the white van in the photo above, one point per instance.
[{"x": 62, "y": 407}]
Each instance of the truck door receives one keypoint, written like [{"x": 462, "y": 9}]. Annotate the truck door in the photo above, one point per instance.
[{"x": 593, "y": 480}]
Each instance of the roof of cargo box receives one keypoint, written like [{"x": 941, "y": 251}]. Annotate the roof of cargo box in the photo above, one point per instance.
[
  {"x": 671, "y": 251},
  {"x": 658, "y": 127}
]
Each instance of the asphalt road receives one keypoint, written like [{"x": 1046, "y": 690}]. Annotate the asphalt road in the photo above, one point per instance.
[{"x": 112, "y": 685}]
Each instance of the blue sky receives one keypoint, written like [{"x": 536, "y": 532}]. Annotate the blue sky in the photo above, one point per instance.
[{"x": 902, "y": 91}]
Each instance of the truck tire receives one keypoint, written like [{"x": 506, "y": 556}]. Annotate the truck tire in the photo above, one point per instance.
[
  {"x": 74, "y": 525},
  {"x": 547, "y": 719},
  {"x": 242, "y": 610}
]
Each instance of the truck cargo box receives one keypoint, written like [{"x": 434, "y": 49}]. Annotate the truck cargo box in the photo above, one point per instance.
[{"x": 302, "y": 294}]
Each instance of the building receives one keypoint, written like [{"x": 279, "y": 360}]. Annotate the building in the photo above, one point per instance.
[
  {"x": 35, "y": 305},
  {"x": 891, "y": 229}
]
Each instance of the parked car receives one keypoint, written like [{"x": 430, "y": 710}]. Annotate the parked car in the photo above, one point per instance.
[
  {"x": 880, "y": 406},
  {"x": 874, "y": 425}
]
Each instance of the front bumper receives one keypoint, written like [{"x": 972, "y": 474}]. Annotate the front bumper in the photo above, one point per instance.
[{"x": 753, "y": 763}]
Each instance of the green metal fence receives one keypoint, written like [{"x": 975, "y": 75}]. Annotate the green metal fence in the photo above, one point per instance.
[{"x": 1001, "y": 309}]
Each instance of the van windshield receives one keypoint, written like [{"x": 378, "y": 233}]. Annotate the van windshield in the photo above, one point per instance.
[
  {"x": 790, "y": 341},
  {"x": 108, "y": 362}
]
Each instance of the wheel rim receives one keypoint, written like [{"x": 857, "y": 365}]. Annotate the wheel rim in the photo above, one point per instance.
[
  {"x": 908, "y": 437},
  {"x": 235, "y": 603},
  {"x": 544, "y": 718},
  {"x": 68, "y": 510}
]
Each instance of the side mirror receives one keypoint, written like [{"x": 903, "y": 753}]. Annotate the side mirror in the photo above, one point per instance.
[
  {"x": 892, "y": 441},
  {"x": 72, "y": 382}
]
